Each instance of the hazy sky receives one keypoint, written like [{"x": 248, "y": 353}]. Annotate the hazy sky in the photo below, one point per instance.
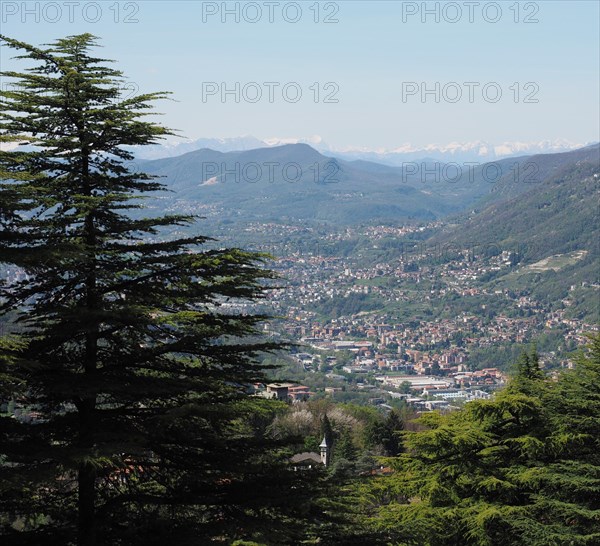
[{"x": 361, "y": 73}]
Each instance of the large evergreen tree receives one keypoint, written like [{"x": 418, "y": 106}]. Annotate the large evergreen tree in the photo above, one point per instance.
[
  {"x": 128, "y": 376},
  {"x": 521, "y": 469},
  {"x": 568, "y": 503}
]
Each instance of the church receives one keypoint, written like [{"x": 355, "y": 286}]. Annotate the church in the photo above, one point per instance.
[{"x": 310, "y": 459}]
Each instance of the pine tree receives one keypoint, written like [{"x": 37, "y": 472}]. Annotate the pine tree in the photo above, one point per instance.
[
  {"x": 521, "y": 469},
  {"x": 327, "y": 430},
  {"x": 393, "y": 425},
  {"x": 129, "y": 375},
  {"x": 528, "y": 373},
  {"x": 523, "y": 365},
  {"x": 385, "y": 433},
  {"x": 568, "y": 503},
  {"x": 345, "y": 448}
]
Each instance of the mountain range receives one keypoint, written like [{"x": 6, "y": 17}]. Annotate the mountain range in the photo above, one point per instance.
[
  {"x": 293, "y": 182},
  {"x": 544, "y": 205},
  {"x": 296, "y": 182},
  {"x": 454, "y": 151}
]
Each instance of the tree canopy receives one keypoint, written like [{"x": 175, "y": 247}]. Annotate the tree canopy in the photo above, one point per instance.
[
  {"x": 130, "y": 368},
  {"x": 522, "y": 468}
]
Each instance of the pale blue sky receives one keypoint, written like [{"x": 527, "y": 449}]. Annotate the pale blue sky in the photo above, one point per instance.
[{"x": 369, "y": 54}]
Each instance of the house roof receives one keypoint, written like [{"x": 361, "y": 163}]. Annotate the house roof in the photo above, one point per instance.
[{"x": 306, "y": 457}]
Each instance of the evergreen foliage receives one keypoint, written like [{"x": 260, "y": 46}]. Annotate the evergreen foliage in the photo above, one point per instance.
[
  {"x": 521, "y": 469},
  {"x": 129, "y": 375}
]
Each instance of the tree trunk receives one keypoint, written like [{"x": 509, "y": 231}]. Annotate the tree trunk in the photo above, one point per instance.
[
  {"x": 87, "y": 535},
  {"x": 86, "y": 505},
  {"x": 86, "y": 477}
]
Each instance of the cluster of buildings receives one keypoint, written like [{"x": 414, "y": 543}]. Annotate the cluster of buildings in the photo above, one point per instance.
[
  {"x": 429, "y": 393},
  {"x": 435, "y": 351},
  {"x": 441, "y": 345},
  {"x": 286, "y": 392},
  {"x": 462, "y": 314}
]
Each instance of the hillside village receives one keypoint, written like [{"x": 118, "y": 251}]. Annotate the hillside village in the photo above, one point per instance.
[
  {"x": 429, "y": 325},
  {"x": 409, "y": 319}
]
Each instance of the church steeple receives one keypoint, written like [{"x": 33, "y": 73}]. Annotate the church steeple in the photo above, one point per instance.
[{"x": 325, "y": 451}]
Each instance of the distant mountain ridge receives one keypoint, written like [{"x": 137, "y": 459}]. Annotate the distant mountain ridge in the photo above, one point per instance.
[
  {"x": 558, "y": 215},
  {"x": 454, "y": 151},
  {"x": 295, "y": 181}
]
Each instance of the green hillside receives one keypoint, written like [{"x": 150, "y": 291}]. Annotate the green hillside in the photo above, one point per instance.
[
  {"x": 556, "y": 224},
  {"x": 556, "y": 216}
]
